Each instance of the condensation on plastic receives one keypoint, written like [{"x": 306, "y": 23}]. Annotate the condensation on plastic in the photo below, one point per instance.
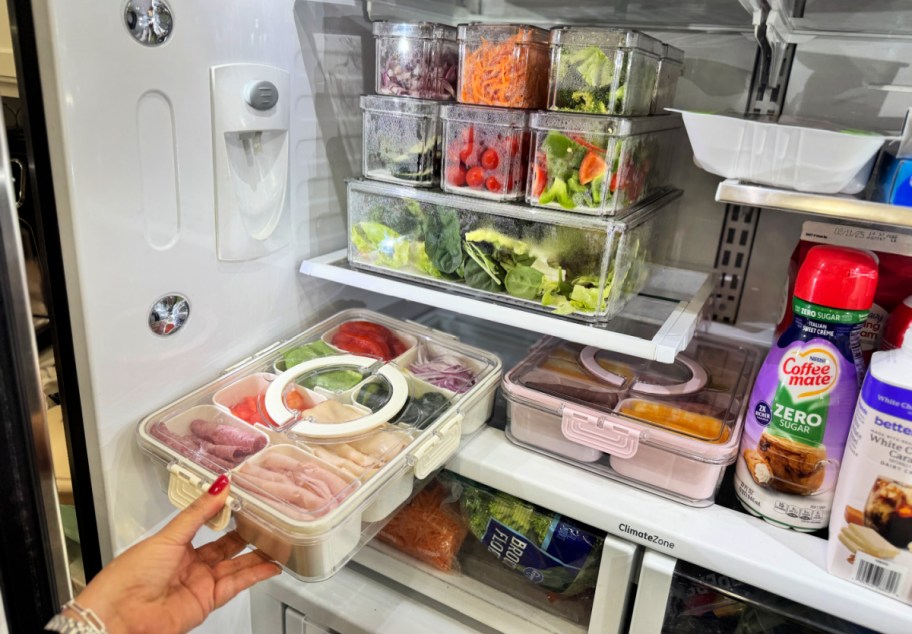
[
  {"x": 602, "y": 71},
  {"x": 401, "y": 140},
  {"x": 485, "y": 151},
  {"x": 635, "y": 154},
  {"x": 612, "y": 255},
  {"x": 416, "y": 60},
  {"x": 671, "y": 67}
]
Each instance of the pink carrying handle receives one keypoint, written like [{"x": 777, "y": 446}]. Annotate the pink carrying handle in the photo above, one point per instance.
[{"x": 698, "y": 376}]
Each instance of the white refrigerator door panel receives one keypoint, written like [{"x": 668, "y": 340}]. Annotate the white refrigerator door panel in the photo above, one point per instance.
[{"x": 132, "y": 144}]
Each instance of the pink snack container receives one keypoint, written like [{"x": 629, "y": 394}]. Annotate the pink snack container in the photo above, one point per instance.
[{"x": 670, "y": 429}]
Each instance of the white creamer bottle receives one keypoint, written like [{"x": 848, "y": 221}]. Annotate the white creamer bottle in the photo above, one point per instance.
[{"x": 871, "y": 525}]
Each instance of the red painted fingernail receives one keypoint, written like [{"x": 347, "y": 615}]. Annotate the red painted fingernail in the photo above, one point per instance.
[{"x": 219, "y": 485}]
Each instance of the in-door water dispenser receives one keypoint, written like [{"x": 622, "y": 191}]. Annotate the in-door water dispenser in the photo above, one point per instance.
[{"x": 250, "y": 113}]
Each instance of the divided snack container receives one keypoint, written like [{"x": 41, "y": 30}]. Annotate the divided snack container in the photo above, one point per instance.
[
  {"x": 598, "y": 165},
  {"x": 401, "y": 140},
  {"x": 503, "y": 65},
  {"x": 351, "y": 432},
  {"x": 485, "y": 151},
  {"x": 671, "y": 429},
  {"x": 583, "y": 267},
  {"x": 602, "y": 70},
  {"x": 418, "y": 59},
  {"x": 671, "y": 67}
]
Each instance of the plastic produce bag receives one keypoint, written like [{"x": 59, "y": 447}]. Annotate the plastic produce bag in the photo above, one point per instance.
[
  {"x": 429, "y": 528},
  {"x": 552, "y": 551}
]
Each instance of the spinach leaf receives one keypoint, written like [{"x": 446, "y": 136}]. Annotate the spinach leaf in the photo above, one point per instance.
[
  {"x": 443, "y": 240},
  {"x": 524, "y": 282},
  {"x": 487, "y": 263},
  {"x": 477, "y": 277}
]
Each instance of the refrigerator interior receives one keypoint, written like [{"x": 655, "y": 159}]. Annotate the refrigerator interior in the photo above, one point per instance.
[{"x": 149, "y": 178}]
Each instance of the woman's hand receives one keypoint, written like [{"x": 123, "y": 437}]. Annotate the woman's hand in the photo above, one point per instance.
[{"x": 164, "y": 585}]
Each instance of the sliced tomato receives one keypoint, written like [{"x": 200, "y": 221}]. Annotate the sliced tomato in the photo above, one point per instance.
[
  {"x": 475, "y": 177},
  {"x": 592, "y": 167},
  {"x": 613, "y": 185},
  {"x": 586, "y": 144},
  {"x": 361, "y": 327},
  {"x": 398, "y": 346},
  {"x": 539, "y": 178},
  {"x": 362, "y": 344}
]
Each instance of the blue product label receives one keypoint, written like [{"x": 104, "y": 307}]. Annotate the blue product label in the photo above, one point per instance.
[
  {"x": 554, "y": 565},
  {"x": 893, "y": 401}
]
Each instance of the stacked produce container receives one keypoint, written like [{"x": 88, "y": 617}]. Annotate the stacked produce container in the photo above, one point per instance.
[{"x": 598, "y": 152}]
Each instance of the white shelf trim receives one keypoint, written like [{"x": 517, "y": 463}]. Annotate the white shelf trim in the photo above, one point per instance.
[
  {"x": 784, "y": 562},
  {"x": 673, "y": 335},
  {"x": 835, "y": 206}
]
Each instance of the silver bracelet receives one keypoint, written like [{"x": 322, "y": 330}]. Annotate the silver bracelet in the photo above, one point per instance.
[{"x": 65, "y": 625}]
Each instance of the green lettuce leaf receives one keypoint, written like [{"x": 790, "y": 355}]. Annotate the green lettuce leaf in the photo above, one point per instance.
[{"x": 596, "y": 68}]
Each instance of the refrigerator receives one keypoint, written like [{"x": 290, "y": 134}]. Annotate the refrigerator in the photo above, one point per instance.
[{"x": 193, "y": 234}]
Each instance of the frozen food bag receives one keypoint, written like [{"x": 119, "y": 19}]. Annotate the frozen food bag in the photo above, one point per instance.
[{"x": 552, "y": 551}]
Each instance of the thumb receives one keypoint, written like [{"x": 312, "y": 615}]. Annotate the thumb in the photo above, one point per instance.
[{"x": 184, "y": 526}]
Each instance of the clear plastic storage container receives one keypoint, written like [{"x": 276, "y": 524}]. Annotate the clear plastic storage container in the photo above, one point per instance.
[
  {"x": 671, "y": 67},
  {"x": 416, "y": 60},
  {"x": 485, "y": 151},
  {"x": 602, "y": 71},
  {"x": 598, "y": 165},
  {"x": 503, "y": 65},
  {"x": 669, "y": 428},
  {"x": 351, "y": 429},
  {"x": 401, "y": 140},
  {"x": 582, "y": 267}
]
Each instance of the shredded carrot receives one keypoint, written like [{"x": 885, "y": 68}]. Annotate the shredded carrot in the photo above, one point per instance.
[
  {"x": 511, "y": 73},
  {"x": 428, "y": 528}
]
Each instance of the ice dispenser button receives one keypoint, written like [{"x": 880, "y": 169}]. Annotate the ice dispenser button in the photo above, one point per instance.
[{"x": 261, "y": 95}]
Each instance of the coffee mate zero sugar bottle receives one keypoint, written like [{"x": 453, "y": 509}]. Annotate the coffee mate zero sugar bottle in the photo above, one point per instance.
[{"x": 801, "y": 407}]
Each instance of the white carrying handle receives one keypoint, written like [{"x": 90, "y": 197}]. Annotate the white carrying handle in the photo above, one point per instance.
[
  {"x": 697, "y": 381},
  {"x": 183, "y": 489},
  {"x": 281, "y": 415}
]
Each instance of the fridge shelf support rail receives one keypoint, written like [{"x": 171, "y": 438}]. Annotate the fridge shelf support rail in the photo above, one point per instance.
[
  {"x": 833, "y": 206},
  {"x": 657, "y": 324}
]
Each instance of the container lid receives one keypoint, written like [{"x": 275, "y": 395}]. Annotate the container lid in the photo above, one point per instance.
[
  {"x": 484, "y": 114},
  {"x": 672, "y": 53},
  {"x": 523, "y": 33},
  {"x": 400, "y": 105},
  {"x": 837, "y": 277},
  {"x": 604, "y": 37},
  {"x": 425, "y": 30},
  {"x": 613, "y": 402},
  {"x": 600, "y": 124}
]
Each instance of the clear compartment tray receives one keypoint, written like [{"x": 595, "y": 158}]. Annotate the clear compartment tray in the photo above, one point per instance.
[
  {"x": 503, "y": 65},
  {"x": 418, "y": 60},
  {"x": 326, "y": 434},
  {"x": 671, "y": 428},
  {"x": 602, "y": 71},
  {"x": 599, "y": 165},
  {"x": 568, "y": 264},
  {"x": 401, "y": 140}
]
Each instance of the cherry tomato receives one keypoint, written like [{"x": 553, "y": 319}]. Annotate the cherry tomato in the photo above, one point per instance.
[
  {"x": 475, "y": 177},
  {"x": 489, "y": 159},
  {"x": 456, "y": 176},
  {"x": 492, "y": 184},
  {"x": 294, "y": 400},
  {"x": 362, "y": 345}
]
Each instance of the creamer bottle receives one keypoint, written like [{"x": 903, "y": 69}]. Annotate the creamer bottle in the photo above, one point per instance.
[
  {"x": 871, "y": 527},
  {"x": 801, "y": 406}
]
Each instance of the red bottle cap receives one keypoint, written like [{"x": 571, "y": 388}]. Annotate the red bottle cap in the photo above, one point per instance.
[
  {"x": 898, "y": 324},
  {"x": 837, "y": 277}
]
